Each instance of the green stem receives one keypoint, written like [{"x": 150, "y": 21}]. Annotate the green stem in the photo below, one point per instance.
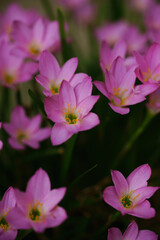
[
  {"x": 5, "y": 104},
  {"x": 132, "y": 140},
  {"x": 18, "y": 96},
  {"x": 67, "y": 159},
  {"x": 48, "y": 8}
]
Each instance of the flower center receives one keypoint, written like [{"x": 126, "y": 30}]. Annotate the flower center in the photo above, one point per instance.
[
  {"x": 3, "y": 223},
  {"x": 20, "y": 136},
  {"x": 35, "y": 212},
  {"x": 71, "y": 118},
  {"x": 70, "y": 115},
  {"x": 9, "y": 78},
  {"x": 126, "y": 202},
  {"x": 54, "y": 89},
  {"x": 120, "y": 95}
]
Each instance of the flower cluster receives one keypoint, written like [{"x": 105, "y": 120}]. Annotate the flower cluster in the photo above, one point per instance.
[{"x": 36, "y": 208}]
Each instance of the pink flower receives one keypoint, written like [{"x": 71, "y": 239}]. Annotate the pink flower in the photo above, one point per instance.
[
  {"x": 31, "y": 41},
  {"x": 24, "y": 131},
  {"x": 15, "y": 12},
  {"x": 70, "y": 110},
  {"x": 129, "y": 195},
  {"x": 108, "y": 55},
  {"x": 148, "y": 70},
  {"x": 112, "y": 32},
  {"x": 13, "y": 69},
  {"x": 51, "y": 75},
  {"x": 38, "y": 208},
  {"x": 120, "y": 89},
  {"x": 131, "y": 233},
  {"x": 8, "y": 202}
]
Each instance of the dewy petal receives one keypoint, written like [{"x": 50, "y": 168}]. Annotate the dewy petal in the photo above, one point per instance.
[
  {"x": 67, "y": 70},
  {"x": 111, "y": 198},
  {"x": 57, "y": 216},
  {"x": 120, "y": 183},
  {"x": 142, "y": 210},
  {"x": 53, "y": 198},
  {"x": 83, "y": 89},
  {"x": 89, "y": 121},
  {"x": 138, "y": 178},
  {"x": 39, "y": 185},
  {"x": 121, "y": 110},
  {"x": 52, "y": 108},
  {"x": 67, "y": 96},
  {"x": 114, "y": 234},
  {"x": 48, "y": 65},
  {"x": 147, "y": 235},
  {"x": 59, "y": 134},
  {"x": 131, "y": 232}
]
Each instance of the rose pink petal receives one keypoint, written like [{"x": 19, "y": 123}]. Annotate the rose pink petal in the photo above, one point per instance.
[
  {"x": 131, "y": 232},
  {"x": 120, "y": 182},
  {"x": 89, "y": 121},
  {"x": 59, "y": 134},
  {"x": 114, "y": 234}
]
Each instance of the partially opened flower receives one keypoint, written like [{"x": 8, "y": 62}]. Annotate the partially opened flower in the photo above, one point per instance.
[
  {"x": 31, "y": 41},
  {"x": 120, "y": 89},
  {"x": 8, "y": 202},
  {"x": 131, "y": 233},
  {"x": 13, "y": 69},
  {"x": 38, "y": 208},
  {"x": 129, "y": 195},
  {"x": 108, "y": 55},
  {"x": 148, "y": 70},
  {"x": 25, "y": 131},
  {"x": 51, "y": 75},
  {"x": 70, "y": 110}
]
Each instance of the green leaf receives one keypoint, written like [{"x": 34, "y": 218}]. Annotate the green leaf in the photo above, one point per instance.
[{"x": 37, "y": 101}]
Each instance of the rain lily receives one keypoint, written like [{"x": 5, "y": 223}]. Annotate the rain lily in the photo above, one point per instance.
[
  {"x": 142, "y": 5},
  {"x": 38, "y": 208},
  {"x": 15, "y": 12},
  {"x": 13, "y": 69},
  {"x": 120, "y": 89},
  {"x": 148, "y": 70},
  {"x": 131, "y": 233},
  {"x": 152, "y": 17},
  {"x": 8, "y": 202},
  {"x": 70, "y": 110},
  {"x": 51, "y": 75},
  {"x": 108, "y": 55},
  {"x": 31, "y": 41},
  {"x": 24, "y": 131},
  {"x": 129, "y": 195}
]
